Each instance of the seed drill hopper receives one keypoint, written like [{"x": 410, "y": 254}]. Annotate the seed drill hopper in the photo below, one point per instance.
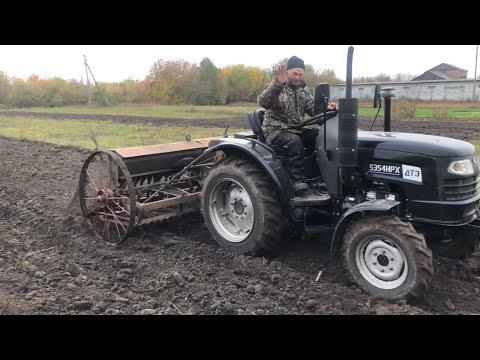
[{"x": 121, "y": 189}]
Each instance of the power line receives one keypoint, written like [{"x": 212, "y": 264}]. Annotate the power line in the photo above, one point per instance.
[
  {"x": 87, "y": 67},
  {"x": 88, "y": 81}
]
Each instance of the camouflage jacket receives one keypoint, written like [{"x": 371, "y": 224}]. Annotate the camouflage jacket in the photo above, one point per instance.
[{"x": 285, "y": 108}]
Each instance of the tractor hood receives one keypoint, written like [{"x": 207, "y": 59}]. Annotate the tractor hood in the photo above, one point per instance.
[{"x": 428, "y": 145}]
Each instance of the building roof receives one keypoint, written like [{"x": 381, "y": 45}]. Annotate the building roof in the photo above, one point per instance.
[
  {"x": 440, "y": 74},
  {"x": 449, "y": 65},
  {"x": 440, "y": 69}
]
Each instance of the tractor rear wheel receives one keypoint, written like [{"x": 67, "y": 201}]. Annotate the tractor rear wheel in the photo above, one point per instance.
[
  {"x": 241, "y": 208},
  {"x": 387, "y": 257}
]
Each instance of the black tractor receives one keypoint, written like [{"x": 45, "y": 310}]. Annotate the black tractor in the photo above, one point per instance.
[{"x": 383, "y": 199}]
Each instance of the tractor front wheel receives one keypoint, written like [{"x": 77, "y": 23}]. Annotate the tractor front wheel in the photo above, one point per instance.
[{"x": 387, "y": 257}]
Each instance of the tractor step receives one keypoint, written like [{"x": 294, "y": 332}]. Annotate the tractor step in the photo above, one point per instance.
[
  {"x": 317, "y": 229},
  {"x": 310, "y": 200}
]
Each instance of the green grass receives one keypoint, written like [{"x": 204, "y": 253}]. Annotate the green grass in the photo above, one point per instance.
[
  {"x": 464, "y": 113},
  {"x": 428, "y": 113},
  {"x": 216, "y": 112},
  {"x": 112, "y": 135},
  {"x": 109, "y": 135},
  {"x": 178, "y": 112}
]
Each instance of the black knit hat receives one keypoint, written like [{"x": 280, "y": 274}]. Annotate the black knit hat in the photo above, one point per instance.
[{"x": 295, "y": 62}]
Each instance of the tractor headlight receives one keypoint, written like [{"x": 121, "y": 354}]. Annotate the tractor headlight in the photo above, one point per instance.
[{"x": 461, "y": 167}]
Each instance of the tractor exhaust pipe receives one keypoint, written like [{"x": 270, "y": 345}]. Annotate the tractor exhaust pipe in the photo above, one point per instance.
[
  {"x": 348, "y": 130},
  {"x": 348, "y": 94},
  {"x": 388, "y": 95}
]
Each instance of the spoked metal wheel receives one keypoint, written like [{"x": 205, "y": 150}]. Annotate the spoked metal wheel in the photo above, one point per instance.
[
  {"x": 232, "y": 210},
  {"x": 107, "y": 196}
]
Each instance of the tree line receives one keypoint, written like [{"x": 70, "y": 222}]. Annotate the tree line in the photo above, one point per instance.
[{"x": 168, "y": 82}]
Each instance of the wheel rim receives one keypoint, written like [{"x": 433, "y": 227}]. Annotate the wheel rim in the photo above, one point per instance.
[
  {"x": 381, "y": 262},
  {"x": 231, "y": 210},
  {"x": 107, "y": 196}
]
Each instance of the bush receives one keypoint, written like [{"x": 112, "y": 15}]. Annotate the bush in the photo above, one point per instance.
[{"x": 404, "y": 110}]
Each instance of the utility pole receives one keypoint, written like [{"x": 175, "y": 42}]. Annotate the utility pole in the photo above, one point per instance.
[
  {"x": 95, "y": 81},
  {"x": 475, "y": 77},
  {"x": 88, "y": 81}
]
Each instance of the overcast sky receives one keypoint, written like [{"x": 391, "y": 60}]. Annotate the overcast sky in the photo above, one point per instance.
[{"x": 114, "y": 63}]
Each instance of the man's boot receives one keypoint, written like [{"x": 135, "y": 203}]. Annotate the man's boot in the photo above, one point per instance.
[{"x": 300, "y": 187}]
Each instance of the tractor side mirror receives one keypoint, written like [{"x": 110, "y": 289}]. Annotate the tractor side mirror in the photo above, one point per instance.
[
  {"x": 376, "y": 96},
  {"x": 322, "y": 93}
]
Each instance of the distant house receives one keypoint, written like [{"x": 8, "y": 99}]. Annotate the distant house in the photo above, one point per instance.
[{"x": 443, "y": 72}]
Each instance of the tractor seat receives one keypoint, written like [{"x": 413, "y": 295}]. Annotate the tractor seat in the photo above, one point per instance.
[{"x": 255, "y": 120}]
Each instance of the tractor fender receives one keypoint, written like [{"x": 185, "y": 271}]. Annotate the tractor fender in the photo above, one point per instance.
[
  {"x": 262, "y": 155},
  {"x": 380, "y": 205}
]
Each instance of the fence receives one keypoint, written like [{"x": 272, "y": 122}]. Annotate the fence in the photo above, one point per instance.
[{"x": 438, "y": 90}]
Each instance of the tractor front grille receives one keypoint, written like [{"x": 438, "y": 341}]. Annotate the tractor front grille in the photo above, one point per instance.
[{"x": 459, "y": 189}]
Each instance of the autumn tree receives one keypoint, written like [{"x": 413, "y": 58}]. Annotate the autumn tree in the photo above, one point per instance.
[
  {"x": 18, "y": 94},
  {"x": 125, "y": 92},
  {"x": 130, "y": 91},
  {"x": 382, "y": 77},
  {"x": 166, "y": 78},
  {"x": 243, "y": 83},
  {"x": 25, "y": 93},
  {"x": 377, "y": 78},
  {"x": 4, "y": 84},
  {"x": 55, "y": 92},
  {"x": 404, "y": 77},
  {"x": 209, "y": 90},
  {"x": 327, "y": 76}
]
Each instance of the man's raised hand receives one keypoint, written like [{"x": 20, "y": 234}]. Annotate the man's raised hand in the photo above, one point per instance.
[{"x": 281, "y": 74}]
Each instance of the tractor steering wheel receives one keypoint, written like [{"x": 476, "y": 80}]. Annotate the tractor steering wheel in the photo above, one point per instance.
[{"x": 319, "y": 119}]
